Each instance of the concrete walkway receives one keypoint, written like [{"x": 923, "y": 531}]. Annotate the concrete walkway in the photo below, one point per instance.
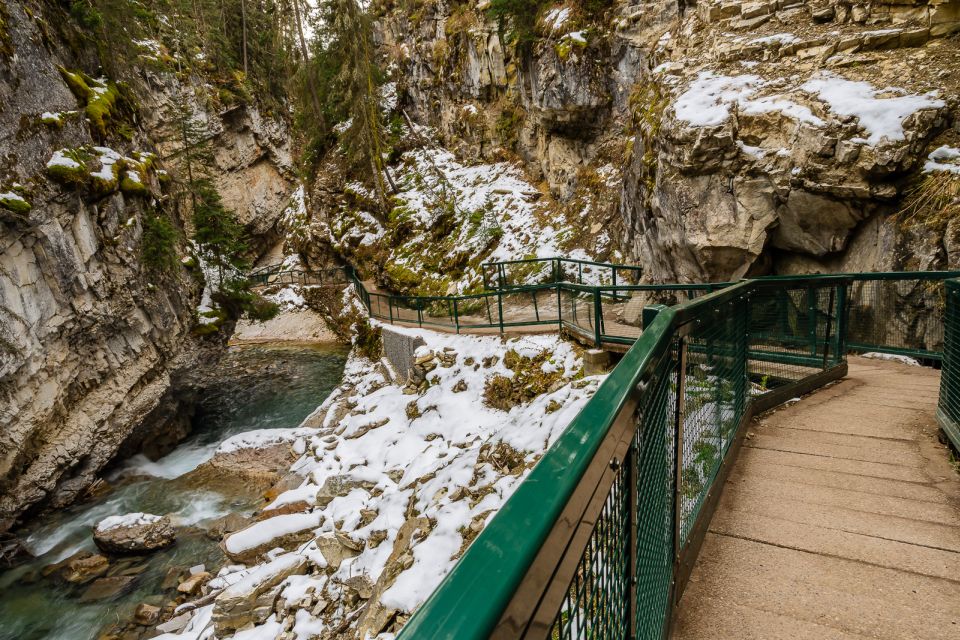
[{"x": 840, "y": 519}]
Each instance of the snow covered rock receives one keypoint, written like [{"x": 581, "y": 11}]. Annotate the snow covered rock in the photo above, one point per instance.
[
  {"x": 251, "y": 599},
  {"x": 283, "y": 531},
  {"x": 134, "y": 533}
]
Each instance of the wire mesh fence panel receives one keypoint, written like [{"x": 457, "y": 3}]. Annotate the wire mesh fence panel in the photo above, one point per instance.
[
  {"x": 379, "y": 306},
  {"x": 594, "y": 605},
  {"x": 713, "y": 398},
  {"x": 478, "y": 312},
  {"x": 530, "y": 307},
  {"x": 519, "y": 273},
  {"x": 903, "y": 315},
  {"x": 794, "y": 333},
  {"x": 577, "y": 311},
  {"x": 948, "y": 411},
  {"x": 655, "y": 490}
]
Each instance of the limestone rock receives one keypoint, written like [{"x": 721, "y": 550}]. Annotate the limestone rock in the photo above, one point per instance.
[
  {"x": 134, "y": 533},
  {"x": 108, "y": 588},
  {"x": 251, "y": 599},
  {"x": 146, "y": 615},
  {"x": 284, "y": 531},
  {"x": 192, "y": 585}
]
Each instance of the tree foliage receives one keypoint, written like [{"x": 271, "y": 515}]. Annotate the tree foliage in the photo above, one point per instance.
[{"x": 348, "y": 80}]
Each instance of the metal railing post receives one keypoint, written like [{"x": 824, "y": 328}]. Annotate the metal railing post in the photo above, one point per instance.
[
  {"x": 843, "y": 310},
  {"x": 456, "y": 315},
  {"x": 500, "y": 308},
  {"x": 420, "y": 312},
  {"x": 827, "y": 336},
  {"x": 597, "y": 316},
  {"x": 390, "y": 308}
]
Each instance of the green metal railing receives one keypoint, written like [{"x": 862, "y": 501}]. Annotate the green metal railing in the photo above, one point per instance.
[
  {"x": 948, "y": 411},
  {"x": 531, "y": 271},
  {"x": 598, "y": 541},
  {"x": 279, "y": 276},
  {"x": 900, "y": 313}
]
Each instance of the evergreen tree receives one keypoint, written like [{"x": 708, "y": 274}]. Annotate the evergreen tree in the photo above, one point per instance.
[{"x": 348, "y": 64}]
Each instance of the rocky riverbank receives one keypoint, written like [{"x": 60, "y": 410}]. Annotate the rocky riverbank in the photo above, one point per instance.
[{"x": 379, "y": 491}]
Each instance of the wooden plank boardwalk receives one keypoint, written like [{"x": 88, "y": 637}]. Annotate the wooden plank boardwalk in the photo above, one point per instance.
[{"x": 840, "y": 519}]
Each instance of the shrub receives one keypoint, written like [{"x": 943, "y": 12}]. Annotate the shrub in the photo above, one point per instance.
[{"x": 159, "y": 244}]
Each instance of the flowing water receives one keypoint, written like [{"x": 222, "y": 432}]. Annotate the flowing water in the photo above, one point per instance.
[{"x": 261, "y": 387}]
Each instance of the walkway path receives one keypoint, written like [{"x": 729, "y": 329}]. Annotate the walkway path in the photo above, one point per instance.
[{"x": 840, "y": 519}]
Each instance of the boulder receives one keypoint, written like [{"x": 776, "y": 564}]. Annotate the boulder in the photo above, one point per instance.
[
  {"x": 81, "y": 570},
  {"x": 134, "y": 533},
  {"x": 251, "y": 599},
  {"x": 192, "y": 584},
  {"x": 108, "y": 588},
  {"x": 146, "y": 615},
  {"x": 285, "y": 531}
]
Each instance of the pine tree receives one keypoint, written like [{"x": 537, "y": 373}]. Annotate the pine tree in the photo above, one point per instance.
[{"x": 357, "y": 81}]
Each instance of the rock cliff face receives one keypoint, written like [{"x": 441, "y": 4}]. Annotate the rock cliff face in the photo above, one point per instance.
[
  {"x": 95, "y": 350},
  {"x": 734, "y": 137}
]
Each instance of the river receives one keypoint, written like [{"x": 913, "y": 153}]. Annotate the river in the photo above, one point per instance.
[{"x": 262, "y": 387}]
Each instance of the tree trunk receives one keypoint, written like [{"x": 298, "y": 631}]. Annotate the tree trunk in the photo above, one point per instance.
[
  {"x": 318, "y": 112},
  {"x": 243, "y": 19}
]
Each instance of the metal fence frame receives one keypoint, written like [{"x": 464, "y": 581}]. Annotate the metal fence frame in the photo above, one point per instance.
[{"x": 522, "y": 563}]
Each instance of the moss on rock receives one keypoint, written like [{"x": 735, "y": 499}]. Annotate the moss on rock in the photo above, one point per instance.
[{"x": 12, "y": 201}]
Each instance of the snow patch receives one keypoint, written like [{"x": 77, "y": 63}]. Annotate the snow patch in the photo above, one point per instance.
[
  {"x": 128, "y": 520},
  {"x": 943, "y": 159},
  {"x": 881, "y": 118}
]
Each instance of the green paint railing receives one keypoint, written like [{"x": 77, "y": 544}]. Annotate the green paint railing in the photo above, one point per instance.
[
  {"x": 279, "y": 276},
  {"x": 599, "y": 539},
  {"x": 948, "y": 411},
  {"x": 518, "y": 273}
]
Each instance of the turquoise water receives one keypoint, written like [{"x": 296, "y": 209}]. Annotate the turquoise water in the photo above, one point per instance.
[{"x": 261, "y": 387}]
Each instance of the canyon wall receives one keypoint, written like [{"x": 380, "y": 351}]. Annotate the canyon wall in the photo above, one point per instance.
[
  {"x": 97, "y": 351},
  {"x": 732, "y": 138}
]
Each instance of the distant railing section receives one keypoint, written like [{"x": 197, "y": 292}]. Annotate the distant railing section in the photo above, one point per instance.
[
  {"x": 599, "y": 540},
  {"x": 324, "y": 277},
  {"x": 533, "y": 271}
]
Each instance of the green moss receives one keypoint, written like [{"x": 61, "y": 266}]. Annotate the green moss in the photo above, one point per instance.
[
  {"x": 12, "y": 201},
  {"x": 529, "y": 380},
  {"x": 77, "y": 82},
  {"x": 99, "y": 98},
  {"x": 401, "y": 277},
  {"x": 6, "y": 44},
  {"x": 52, "y": 120},
  {"x": 132, "y": 184},
  {"x": 70, "y": 174},
  {"x": 218, "y": 317},
  {"x": 100, "y": 108}
]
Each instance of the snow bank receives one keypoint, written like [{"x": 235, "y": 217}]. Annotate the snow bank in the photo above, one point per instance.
[
  {"x": 707, "y": 101},
  {"x": 262, "y": 438},
  {"x": 882, "y": 118},
  {"x": 270, "y": 529},
  {"x": 387, "y": 457},
  {"x": 892, "y": 357}
]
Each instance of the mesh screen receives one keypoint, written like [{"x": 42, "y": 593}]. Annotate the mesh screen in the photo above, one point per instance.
[
  {"x": 950, "y": 374},
  {"x": 904, "y": 315}
]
